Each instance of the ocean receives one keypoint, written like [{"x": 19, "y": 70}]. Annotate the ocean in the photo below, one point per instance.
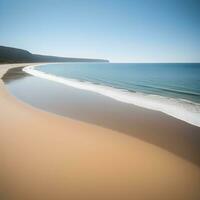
[{"x": 173, "y": 89}]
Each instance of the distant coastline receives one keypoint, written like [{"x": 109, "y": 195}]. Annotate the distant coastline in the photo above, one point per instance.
[{"x": 15, "y": 55}]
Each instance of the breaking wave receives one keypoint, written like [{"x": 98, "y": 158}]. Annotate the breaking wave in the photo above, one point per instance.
[{"x": 179, "y": 108}]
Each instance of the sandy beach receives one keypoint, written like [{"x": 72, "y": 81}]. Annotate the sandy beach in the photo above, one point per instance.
[{"x": 47, "y": 156}]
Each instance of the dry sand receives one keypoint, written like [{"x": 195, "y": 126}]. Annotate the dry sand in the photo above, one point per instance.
[{"x": 45, "y": 156}]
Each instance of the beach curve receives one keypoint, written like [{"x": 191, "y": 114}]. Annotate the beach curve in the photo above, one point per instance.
[{"x": 63, "y": 158}]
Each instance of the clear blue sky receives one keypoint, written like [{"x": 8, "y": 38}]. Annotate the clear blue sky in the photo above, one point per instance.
[{"x": 119, "y": 30}]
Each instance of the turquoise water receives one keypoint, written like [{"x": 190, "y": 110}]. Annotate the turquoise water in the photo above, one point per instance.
[{"x": 180, "y": 81}]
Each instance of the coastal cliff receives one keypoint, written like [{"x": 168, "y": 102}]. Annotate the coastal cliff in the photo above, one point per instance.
[{"x": 14, "y": 55}]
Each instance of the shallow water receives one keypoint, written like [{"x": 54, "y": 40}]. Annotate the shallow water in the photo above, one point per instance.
[{"x": 171, "y": 80}]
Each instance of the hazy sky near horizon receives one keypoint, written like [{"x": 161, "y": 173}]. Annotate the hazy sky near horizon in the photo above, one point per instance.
[{"x": 119, "y": 30}]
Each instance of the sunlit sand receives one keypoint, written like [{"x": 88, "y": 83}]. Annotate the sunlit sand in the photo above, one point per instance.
[{"x": 46, "y": 156}]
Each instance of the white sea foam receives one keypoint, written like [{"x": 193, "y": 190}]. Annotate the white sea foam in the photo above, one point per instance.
[{"x": 178, "y": 108}]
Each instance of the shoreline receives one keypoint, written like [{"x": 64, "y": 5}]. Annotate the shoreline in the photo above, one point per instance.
[
  {"x": 184, "y": 110},
  {"x": 46, "y": 156}
]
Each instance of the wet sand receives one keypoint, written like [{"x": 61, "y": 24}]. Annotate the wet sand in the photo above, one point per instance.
[
  {"x": 153, "y": 127},
  {"x": 46, "y": 156}
]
